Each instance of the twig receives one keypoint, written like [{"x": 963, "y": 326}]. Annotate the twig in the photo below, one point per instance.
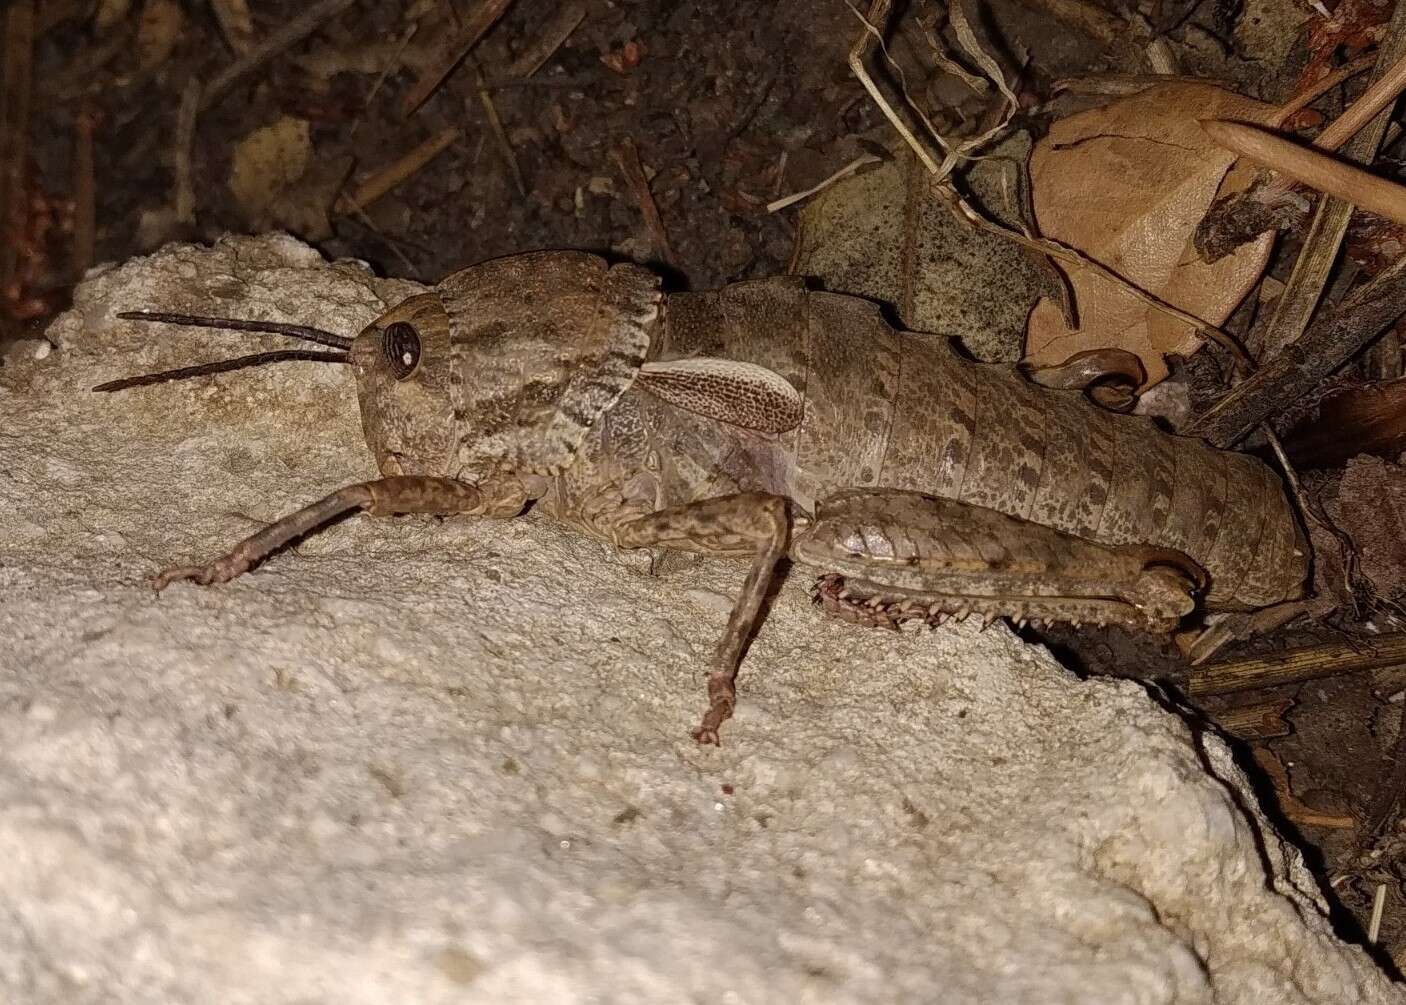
[
  {"x": 1300, "y": 366},
  {"x": 184, "y": 201},
  {"x": 284, "y": 38},
  {"x": 1309, "y": 167},
  {"x": 1374, "y": 928},
  {"x": 1260, "y": 721},
  {"x": 1289, "y": 804},
  {"x": 391, "y": 63},
  {"x": 628, "y": 158},
  {"x": 1087, "y": 17},
  {"x": 1381, "y": 92},
  {"x": 1321, "y": 87},
  {"x": 14, "y": 137},
  {"x": 1294, "y": 666},
  {"x": 844, "y": 172},
  {"x": 84, "y": 193},
  {"x": 551, "y": 38},
  {"x": 359, "y": 214},
  {"x": 475, "y": 26},
  {"x": 1330, "y": 217},
  {"x": 495, "y": 124},
  {"x": 396, "y": 173},
  {"x": 235, "y": 24}
]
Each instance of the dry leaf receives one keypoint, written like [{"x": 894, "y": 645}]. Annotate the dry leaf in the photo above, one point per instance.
[
  {"x": 158, "y": 32},
  {"x": 1127, "y": 184},
  {"x": 886, "y": 235},
  {"x": 266, "y": 163}
]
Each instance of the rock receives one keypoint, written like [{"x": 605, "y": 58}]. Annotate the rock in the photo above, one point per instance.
[{"x": 448, "y": 761}]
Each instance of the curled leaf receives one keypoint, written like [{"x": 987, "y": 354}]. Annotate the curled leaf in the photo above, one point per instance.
[{"x": 1127, "y": 184}]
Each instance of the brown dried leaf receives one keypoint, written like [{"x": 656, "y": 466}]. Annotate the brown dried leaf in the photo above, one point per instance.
[
  {"x": 1127, "y": 184},
  {"x": 267, "y": 178}
]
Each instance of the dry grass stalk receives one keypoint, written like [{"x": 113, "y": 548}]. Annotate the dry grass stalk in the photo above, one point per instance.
[
  {"x": 1330, "y": 217},
  {"x": 475, "y": 26},
  {"x": 1294, "y": 666},
  {"x": 1311, "y": 168},
  {"x": 628, "y": 158},
  {"x": 1329, "y": 342},
  {"x": 183, "y": 201},
  {"x": 281, "y": 40},
  {"x": 551, "y": 38},
  {"x": 500, "y": 135},
  {"x": 397, "y": 172},
  {"x": 861, "y": 161},
  {"x": 1261, "y": 721},
  {"x": 236, "y": 24}
]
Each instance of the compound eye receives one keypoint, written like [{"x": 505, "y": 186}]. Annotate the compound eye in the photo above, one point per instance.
[{"x": 401, "y": 345}]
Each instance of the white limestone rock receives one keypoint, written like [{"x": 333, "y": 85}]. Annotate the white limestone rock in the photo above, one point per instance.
[{"x": 448, "y": 761}]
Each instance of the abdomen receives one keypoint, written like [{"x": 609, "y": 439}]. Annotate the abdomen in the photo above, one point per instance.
[{"x": 905, "y": 410}]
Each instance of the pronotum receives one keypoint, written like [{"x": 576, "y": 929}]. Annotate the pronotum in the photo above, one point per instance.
[{"x": 763, "y": 420}]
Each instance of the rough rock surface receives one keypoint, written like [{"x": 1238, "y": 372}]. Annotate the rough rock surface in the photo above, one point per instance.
[{"x": 448, "y": 761}]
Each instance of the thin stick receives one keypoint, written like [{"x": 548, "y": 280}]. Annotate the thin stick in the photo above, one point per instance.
[
  {"x": 844, "y": 172},
  {"x": 500, "y": 136},
  {"x": 1294, "y": 666},
  {"x": 1379, "y": 94},
  {"x": 397, "y": 172},
  {"x": 1328, "y": 227},
  {"x": 1086, "y": 17},
  {"x": 484, "y": 16},
  {"x": 628, "y": 158},
  {"x": 1374, "y": 930},
  {"x": 186, "y": 117},
  {"x": 1329, "y": 342},
  {"x": 1321, "y": 87},
  {"x": 1311, "y": 168},
  {"x": 284, "y": 38},
  {"x": 551, "y": 38},
  {"x": 1260, "y": 721}
]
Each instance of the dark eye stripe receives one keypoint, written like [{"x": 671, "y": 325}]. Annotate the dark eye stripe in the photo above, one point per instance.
[{"x": 401, "y": 346}]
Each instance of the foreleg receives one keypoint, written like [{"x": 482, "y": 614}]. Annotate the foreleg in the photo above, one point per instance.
[{"x": 382, "y": 497}]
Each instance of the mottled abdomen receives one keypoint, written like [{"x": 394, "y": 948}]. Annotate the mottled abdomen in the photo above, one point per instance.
[{"x": 905, "y": 410}]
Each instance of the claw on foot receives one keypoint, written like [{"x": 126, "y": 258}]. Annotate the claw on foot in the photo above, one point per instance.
[
  {"x": 722, "y": 697},
  {"x": 220, "y": 571}
]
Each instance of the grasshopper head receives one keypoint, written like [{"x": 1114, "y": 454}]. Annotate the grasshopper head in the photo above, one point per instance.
[
  {"x": 539, "y": 347},
  {"x": 403, "y": 384}
]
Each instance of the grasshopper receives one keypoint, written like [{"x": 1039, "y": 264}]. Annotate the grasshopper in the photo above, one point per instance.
[{"x": 766, "y": 420}]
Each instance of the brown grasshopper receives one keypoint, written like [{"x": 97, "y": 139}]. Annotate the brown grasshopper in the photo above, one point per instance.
[{"x": 764, "y": 420}]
